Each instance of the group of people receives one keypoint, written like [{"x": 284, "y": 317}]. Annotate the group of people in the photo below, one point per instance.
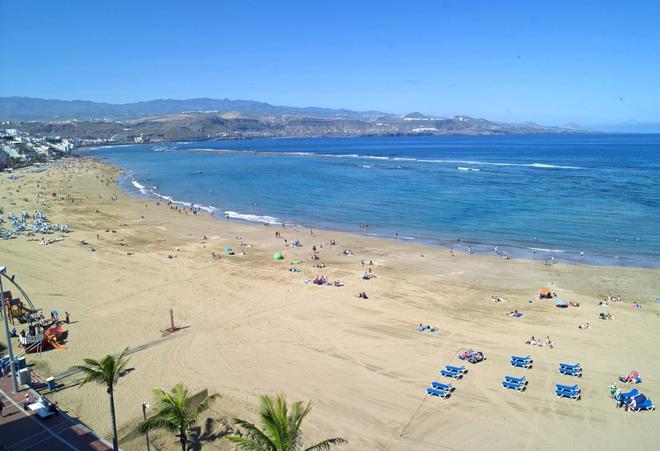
[
  {"x": 427, "y": 328},
  {"x": 368, "y": 275},
  {"x": 541, "y": 342}
]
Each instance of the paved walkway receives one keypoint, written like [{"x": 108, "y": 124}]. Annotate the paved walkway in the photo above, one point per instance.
[{"x": 23, "y": 431}]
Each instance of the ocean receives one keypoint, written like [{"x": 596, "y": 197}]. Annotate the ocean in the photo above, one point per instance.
[{"x": 547, "y": 197}]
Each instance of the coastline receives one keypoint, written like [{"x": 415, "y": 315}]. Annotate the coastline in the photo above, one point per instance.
[
  {"x": 256, "y": 327},
  {"x": 505, "y": 250}
]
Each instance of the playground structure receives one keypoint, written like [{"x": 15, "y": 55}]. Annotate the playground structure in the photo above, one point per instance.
[
  {"x": 22, "y": 309},
  {"x": 19, "y": 311},
  {"x": 40, "y": 341}
]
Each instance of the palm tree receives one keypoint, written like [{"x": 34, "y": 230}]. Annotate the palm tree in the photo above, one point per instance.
[
  {"x": 106, "y": 372},
  {"x": 175, "y": 412},
  {"x": 281, "y": 428}
]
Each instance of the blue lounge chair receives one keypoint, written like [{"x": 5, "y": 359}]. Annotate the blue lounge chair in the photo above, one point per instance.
[
  {"x": 577, "y": 366},
  {"x": 439, "y": 393},
  {"x": 458, "y": 369},
  {"x": 571, "y": 372},
  {"x": 454, "y": 374},
  {"x": 642, "y": 403},
  {"x": 516, "y": 380},
  {"x": 575, "y": 395},
  {"x": 444, "y": 387},
  {"x": 626, "y": 397},
  {"x": 513, "y": 385},
  {"x": 575, "y": 387},
  {"x": 517, "y": 357},
  {"x": 521, "y": 363}
]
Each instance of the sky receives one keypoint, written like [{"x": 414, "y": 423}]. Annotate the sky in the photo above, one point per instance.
[{"x": 590, "y": 62}]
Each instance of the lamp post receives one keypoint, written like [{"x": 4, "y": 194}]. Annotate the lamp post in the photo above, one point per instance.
[
  {"x": 12, "y": 363},
  {"x": 145, "y": 406}
]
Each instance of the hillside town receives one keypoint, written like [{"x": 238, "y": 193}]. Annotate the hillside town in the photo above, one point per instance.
[{"x": 19, "y": 148}]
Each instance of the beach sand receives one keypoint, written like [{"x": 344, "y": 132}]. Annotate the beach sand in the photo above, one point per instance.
[{"x": 253, "y": 327}]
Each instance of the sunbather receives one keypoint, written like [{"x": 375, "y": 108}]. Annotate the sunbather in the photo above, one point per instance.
[
  {"x": 548, "y": 342},
  {"x": 466, "y": 355}
]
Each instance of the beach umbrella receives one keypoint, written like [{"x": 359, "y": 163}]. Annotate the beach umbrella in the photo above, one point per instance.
[
  {"x": 544, "y": 292},
  {"x": 229, "y": 249},
  {"x": 54, "y": 312},
  {"x": 278, "y": 256}
]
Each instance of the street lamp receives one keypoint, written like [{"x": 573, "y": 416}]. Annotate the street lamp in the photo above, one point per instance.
[
  {"x": 12, "y": 363},
  {"x": 145, "y": 406}
]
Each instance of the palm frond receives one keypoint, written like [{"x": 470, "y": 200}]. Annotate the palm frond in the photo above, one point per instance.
[
  {"x": 105, "y": 371},
  {"x": 158, "y": 422},
  {"x": 326, "y": 444},
  {"x": 174, "y": 410},
  {"x": 296, "y": 416},
  {"x": 274, "y": 413},
  {"x": 255, "y": 434},
  {"x": 247, "y": 444}
]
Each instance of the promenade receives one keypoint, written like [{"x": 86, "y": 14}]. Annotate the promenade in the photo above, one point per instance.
[{"x": 24, "y": 431}]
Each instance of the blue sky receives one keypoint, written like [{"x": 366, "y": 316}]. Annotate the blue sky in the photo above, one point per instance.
[{"x": 550, "y": 62}]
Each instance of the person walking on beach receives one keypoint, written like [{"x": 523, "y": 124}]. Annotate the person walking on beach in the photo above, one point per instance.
[{"x": 2, "y": 408}]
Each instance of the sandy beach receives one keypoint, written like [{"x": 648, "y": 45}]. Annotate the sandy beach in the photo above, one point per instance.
[{"x": 253, "y": 326}]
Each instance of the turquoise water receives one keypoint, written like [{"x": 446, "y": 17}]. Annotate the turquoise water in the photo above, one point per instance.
[{"x": 531, "y": 196}]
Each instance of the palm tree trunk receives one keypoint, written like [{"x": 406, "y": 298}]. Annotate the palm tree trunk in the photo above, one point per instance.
[
  {"x": 183, "y": 439},
  {"x": 115, "y": 441}
]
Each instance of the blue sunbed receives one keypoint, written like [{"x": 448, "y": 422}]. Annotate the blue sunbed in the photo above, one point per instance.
[
  {"x": 516, "y": 380},
  {"x": 521, "y": 363},
  {"x": 454, "y": 374},
  {"x": 574, "y": 387},
  {"x": 524, "y": 358},
  {"x": 575, "y": 395},
  {"x": 570, "y": 366},
  {"x": 513, "y": 385},
  {"x": 642, "y": 403},
  {"x": 458, "y": 369},
  {"x": 571, "y": 372},
  {"x": 439, "y": 393},
  {"x": 626, "y": 397},
  {"x": 441, "y": 386}
]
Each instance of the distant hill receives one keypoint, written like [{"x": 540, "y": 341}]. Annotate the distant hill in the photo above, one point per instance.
[
  {"x": 203, "y": 126},
  {"x": 33, "y": 109}
]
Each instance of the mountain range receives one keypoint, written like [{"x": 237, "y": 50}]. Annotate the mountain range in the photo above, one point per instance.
[
  {"x": 33, "y": 109},
  {"x": 202, "y": 119}
]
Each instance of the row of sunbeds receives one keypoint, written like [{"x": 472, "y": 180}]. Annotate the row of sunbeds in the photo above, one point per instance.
[
  {"x": 634, "y": 399},
  {"x": 442, "y": 390},
  {"x": 563, "y": 391},
  {"x": 564, "y": 368}
]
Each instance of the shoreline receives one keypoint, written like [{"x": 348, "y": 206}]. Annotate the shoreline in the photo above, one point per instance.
[
  {"x": 256, "y": 327},
  {"x": 506, "y": 251}
]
